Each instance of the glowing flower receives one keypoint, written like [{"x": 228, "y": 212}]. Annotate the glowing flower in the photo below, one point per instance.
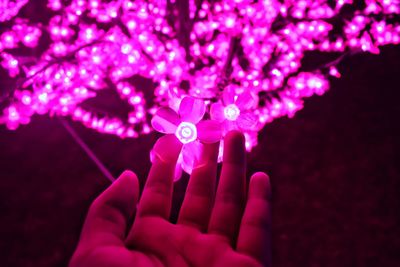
[
  {"x": 188, "y": 127},
  {"x": 235, "y": 111}
]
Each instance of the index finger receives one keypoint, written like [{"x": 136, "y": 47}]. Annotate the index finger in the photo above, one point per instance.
[
  {"x": 230, "y": 198},
  {"x": 255, "y": 230},
  {"x": 157, "y": 193},
  {"x": 108, "y": 215},
  {"x": 199, "y": 197}
]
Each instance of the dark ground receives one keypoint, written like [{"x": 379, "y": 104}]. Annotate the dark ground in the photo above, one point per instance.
[{"x": 334, "y": 170}]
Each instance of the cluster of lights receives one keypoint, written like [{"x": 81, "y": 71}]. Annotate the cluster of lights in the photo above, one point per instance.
[
  {"x": 10, "y": 9},
  {"x": 241, "y": 58}
]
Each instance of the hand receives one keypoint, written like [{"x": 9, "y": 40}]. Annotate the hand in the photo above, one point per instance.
[{"x": 221, "y": 229}]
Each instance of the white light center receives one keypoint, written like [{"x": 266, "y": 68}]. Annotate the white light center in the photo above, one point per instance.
[
  {"x": 186, "y": 132},
  {"x": 231, "y": 112}
]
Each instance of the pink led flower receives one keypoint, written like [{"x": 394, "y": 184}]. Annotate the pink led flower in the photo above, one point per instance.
[
  {"x": 235, "y": 111},
  {"x": 188, "y": 127}
]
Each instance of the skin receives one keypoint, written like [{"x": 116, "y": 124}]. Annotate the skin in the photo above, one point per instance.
[{"x": 216, "y": 227}]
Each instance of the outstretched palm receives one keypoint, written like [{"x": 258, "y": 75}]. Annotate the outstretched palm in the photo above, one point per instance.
[{"x": 208, "y": 232}]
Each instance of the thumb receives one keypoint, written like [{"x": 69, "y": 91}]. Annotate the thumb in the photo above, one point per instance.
[{"x": 108, "y": 215}]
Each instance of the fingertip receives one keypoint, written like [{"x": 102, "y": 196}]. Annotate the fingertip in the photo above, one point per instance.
[
  {"x": 260, "y": 176},
  {"x": 235, "y": 136},
  {"x": 109, "y": 213},
  {"x": 234, "y": 147},
  {"x": 260, "y": 186},
  {"x": 255, "y": 231},
  {"x": 168, "y": 148},
  {"x": 127, "y": 175},
  {"x": 129, "y": 180},
  {"x": 121, "y": 196}
]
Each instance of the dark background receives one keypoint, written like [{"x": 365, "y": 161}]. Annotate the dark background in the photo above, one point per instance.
[{"x": 334, "y": 171}]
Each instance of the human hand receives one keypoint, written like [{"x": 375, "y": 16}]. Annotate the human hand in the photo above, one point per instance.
[{"x": 221, "y": 229}]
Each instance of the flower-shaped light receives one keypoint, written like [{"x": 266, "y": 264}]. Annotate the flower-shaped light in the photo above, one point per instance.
[
  {"x": 235, "y": 111},
  {"x": 187, "y": 125}
]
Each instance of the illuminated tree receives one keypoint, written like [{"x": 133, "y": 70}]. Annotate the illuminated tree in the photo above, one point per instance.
[{"x": 241, "y": 58}]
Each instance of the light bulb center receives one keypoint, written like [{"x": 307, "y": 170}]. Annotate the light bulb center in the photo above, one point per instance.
[
  {"x": 231, "y": 112},
  {"x": 186, "y": 132}
]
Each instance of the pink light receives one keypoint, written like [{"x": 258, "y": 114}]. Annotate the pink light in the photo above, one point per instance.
[
  {"x": 230, "y": 22},
  {"x": 96, "y": 59},
  {"x": 78, "y": 113},
  {"x": 13, "y": 63},
  {"x": 13, "y": 114},
  {"x": 126, "y": 48},
  {"x": 64, "y": 100},
  {"x": 231, "y": 112},
  {"x": 131, "y": 24},
  {"x": 135, "y": 100},
  {"x": 8, "y": 9},
  {"x": 334, "y": 72},
  {"x": 43, "y": 97},
  {"x": 26, "y": 99},
  {"x": 186, "y": 132},
  {"x": 126, "y": 91}
]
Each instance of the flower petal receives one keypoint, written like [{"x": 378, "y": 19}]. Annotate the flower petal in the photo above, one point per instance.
[
  {"x": 217, "y": 112},
  {"x": 245, "y": 101},
  {"x": 192, "y": 109},
  {"x": 209, "y": 131},
  {"x": 247, "y": 121},
  {"x": 230, "y": 126},
  {"x": 178, "y": 169},
  {"x": 228, "y": 96},
  {"x": 251, "y": 140},
  {"x": 165, "y": 120},
  {"x": 167, "y": 148},
  {"x": 152, "y": 155},
  {"x": 221, "y": 151},
  {"x": 190, "y": 154}
]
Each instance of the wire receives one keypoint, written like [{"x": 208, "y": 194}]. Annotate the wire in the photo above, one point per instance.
[{"x": 87, "y": 150}]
